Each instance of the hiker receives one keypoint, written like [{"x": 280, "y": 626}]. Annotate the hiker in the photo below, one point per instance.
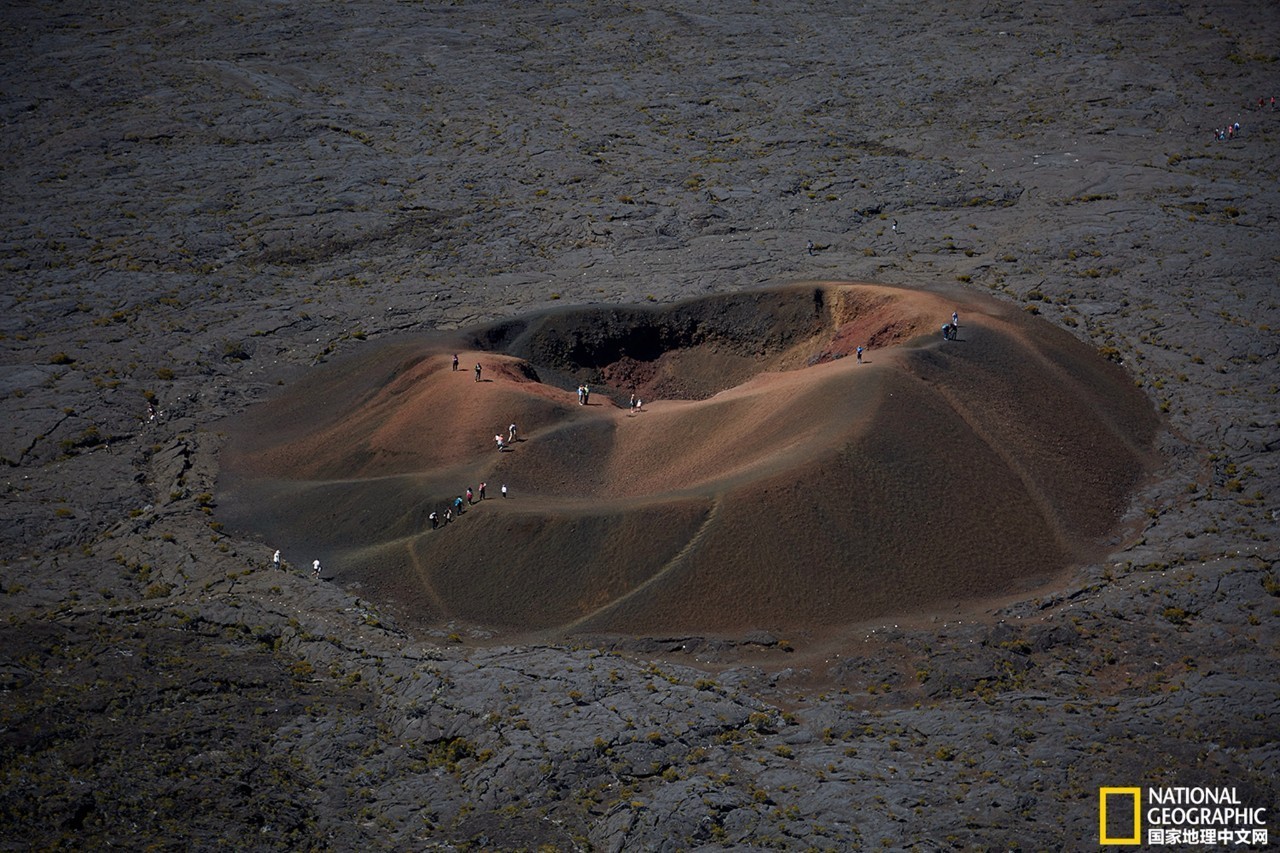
[
  {"x": 859, "y": 355},
  {"x": 586, "y": 395},
  {"x": 810, "y": 247},
  {"x": 477, "y": 371},
  {"x": 435, "y": 520},
  {"x": 457, "y": 505},
  {"x": 482, "y": 485},
  {"x": 955, "y": 318},
  {"x": 315, "y": 569},
  {"x": 582, "y": 391},
  {"x": 632, "y": 405},
  {"x": 448, "y": 515},
  {"x": 455, "y": 362},
  {"x": 511, "y": 434},
  {"x": 504, "y": 490},
  {"x": 502, "y": 443},
  {"x": 275, "y": 559},
  {"x": 895, "y": 226},
  {"x": 470, "y": 496}
]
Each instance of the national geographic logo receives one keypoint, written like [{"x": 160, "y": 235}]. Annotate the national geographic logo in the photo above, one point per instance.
[
  {"x": 1130, "y": 816},
  {"x": 1182, "y": 816}
]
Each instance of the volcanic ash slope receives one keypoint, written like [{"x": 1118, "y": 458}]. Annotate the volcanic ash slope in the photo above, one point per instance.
[{"x": 813, "y": 491}]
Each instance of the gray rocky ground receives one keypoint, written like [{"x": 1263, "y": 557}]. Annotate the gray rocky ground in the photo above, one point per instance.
[{"x": 203, "y": 201}]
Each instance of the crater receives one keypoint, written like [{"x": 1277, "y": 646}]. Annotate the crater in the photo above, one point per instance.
[{"x": 771, "y": 479}]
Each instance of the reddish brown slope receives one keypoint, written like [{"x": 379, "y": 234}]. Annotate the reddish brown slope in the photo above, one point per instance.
[{"x": 818, "y": 495}]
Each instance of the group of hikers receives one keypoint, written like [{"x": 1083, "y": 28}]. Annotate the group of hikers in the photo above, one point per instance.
[
  {"x": 455, "y": 366},
  {"x": 471, "y": 497},
  {"x": 277, "y": 562},
  {"x": 504, "y": 443},
  {"x": 1231, "y": 130},
  {"x": 460, "y": 504},
  {"x": 952, "y": 329}
]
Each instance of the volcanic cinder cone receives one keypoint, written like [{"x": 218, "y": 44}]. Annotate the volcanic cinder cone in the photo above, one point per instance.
[{"x": 771, "y": 480}]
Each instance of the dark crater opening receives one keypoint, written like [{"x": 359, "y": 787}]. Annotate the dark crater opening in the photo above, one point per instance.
[{"x": 687, "y": 351}]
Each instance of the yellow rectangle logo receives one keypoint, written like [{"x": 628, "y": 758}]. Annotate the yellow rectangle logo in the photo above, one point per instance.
[{"x": 1103, "y": 794}]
